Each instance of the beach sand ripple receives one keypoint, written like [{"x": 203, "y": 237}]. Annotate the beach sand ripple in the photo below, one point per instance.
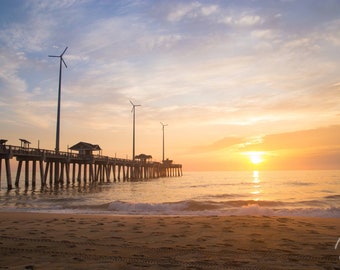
[{"x": 66, "y": 241}]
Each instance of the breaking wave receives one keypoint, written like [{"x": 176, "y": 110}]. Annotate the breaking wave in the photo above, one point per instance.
[{"x": 238, "y": 208}]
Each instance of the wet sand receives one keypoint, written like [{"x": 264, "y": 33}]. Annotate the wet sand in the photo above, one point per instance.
[{"x": 66, "y": 241}]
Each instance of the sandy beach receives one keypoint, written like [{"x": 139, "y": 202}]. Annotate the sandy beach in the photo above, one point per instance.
[{"x": 66, "y": 241}]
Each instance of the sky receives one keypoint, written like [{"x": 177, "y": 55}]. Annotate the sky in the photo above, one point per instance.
[{"x": 240, "y": 84}]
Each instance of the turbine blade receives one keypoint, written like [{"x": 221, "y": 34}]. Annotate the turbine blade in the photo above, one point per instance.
[
  {"x": 53, "y": 56},
  {"x": 132, "y": 103},
  {"x": 63, "y": 61},
  {"x": 63, "y": 52}
]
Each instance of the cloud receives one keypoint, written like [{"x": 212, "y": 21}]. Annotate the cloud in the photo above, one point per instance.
[
  {"x": 184, "y": 10},
  {"x": 209, "y": 10},
  {"x": 29, "y": 36},
  {"x": 161, "y": 41},
  {"x": 318, "y": 138},
  {"x": 219, "y": 145},
  {"x": 317, "y": 148},
  {"x": 40, "y": 6},
  {"x": 267, "y": 34},
  {"x": 331, "y": 34},
  {"x": 12, "y": 87},
  {"x": 248, "y": 20},
  {"x": 215, "y": 13}
]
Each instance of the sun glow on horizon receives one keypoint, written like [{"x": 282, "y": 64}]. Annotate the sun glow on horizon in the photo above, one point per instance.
[{"x": 255, "y": 157}]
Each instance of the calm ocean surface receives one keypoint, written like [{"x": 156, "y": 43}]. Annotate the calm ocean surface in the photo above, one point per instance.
[{"x": 282, "y": 193}]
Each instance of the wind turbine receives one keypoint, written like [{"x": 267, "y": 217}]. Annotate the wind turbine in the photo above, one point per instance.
[
  {"x": 163, "y": 125},
  {"x": 134, "y": 124},
  {"x": 59, "y": 94}
]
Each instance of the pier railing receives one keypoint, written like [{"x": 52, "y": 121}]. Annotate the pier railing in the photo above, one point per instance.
[{"x": 57, "y": 168}]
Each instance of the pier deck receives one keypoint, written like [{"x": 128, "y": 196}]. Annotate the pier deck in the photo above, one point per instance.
[{"x": 58, "y": 168}]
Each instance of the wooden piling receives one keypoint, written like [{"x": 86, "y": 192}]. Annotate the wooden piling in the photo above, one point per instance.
[
  {"x": 27, "y": 173},
  {"x": 34, "y": 170},
  {"x": 45, "y": 173},
  {"x": 17, "y": 178},
  {"x": 0, "y": 170},
  {"x": 42, "y": 175},
  {"x": 8, "y": 174}
]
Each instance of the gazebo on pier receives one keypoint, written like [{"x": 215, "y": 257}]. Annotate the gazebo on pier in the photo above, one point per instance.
[
  {"x": 143, "y": 157},
  {"x": 167, "y": 162},
  {"x": 24, "y": 143},
  {"x": 85, "y": 149}
]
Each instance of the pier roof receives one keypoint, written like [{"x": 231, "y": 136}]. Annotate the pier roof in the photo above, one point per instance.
[
  {"x": 3, "y": 141},
  {"x": 85, "y": 148},
  {"x": 81, "y": 146},
  {"x": 24, "y": 143},
  {"x": 143, "y": 157}
]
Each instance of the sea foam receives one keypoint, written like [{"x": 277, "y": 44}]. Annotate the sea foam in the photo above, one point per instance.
[{"x": 192, "y": 207}]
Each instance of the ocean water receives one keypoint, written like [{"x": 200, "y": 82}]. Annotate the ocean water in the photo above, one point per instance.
[{"x": 270, "y": 193}]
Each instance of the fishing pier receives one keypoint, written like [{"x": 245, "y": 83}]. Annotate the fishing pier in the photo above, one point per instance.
[{"x": 58, "y": 168}]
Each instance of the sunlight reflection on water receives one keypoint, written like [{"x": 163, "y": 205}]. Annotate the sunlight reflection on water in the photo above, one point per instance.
[{"x": 306, "y": 191}]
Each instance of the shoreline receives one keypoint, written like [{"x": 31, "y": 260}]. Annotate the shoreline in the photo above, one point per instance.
[
  {"x": 160, "y": 215},
  {"x": 103, "y": 241}
]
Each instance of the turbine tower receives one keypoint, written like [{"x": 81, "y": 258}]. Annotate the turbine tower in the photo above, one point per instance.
[
  {"x": 59, "y": 94},
  {"x": 134, "y": 124},
  {"x": 163, "y": 125}
]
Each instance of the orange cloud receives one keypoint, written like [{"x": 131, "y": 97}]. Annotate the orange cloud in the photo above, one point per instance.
[
  {"x": 312, "y": 138},
  {"x": 304, "y": 149},
  {"x": 221, "y": 144}
]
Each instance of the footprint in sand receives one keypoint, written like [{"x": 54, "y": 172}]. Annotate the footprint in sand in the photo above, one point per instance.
[
  {"x": 228, "y": 230},
  {"x": 283, "y": 220},
  {"x": 202, "y": 239},
  {"x": 41, "y": 247},
  {"x": 258, "y": 241},
  {"x": 313, "y": 232},
  {"x": 206, "y": 226}
]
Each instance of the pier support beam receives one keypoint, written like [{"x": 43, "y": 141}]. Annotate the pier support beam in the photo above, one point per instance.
[
  {"x": 91, "y": 172},
  {"x": 67, "y": 170},
  {"x": 34, "y": 171},
  {"x": 42, "y": 176},
  {"x": 79, "y": 173},
  {"x": 27, "y": 167},
  {"x": 85, "y": 173},
  {"x": 56, "y": 173},
  {"x": 17, "y": 178},
  {"x": 8, "y": 174},
  {"x": 73, "y": 173}
]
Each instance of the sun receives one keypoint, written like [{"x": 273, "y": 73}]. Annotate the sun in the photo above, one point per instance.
[{"x": 255, "y": 157}]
